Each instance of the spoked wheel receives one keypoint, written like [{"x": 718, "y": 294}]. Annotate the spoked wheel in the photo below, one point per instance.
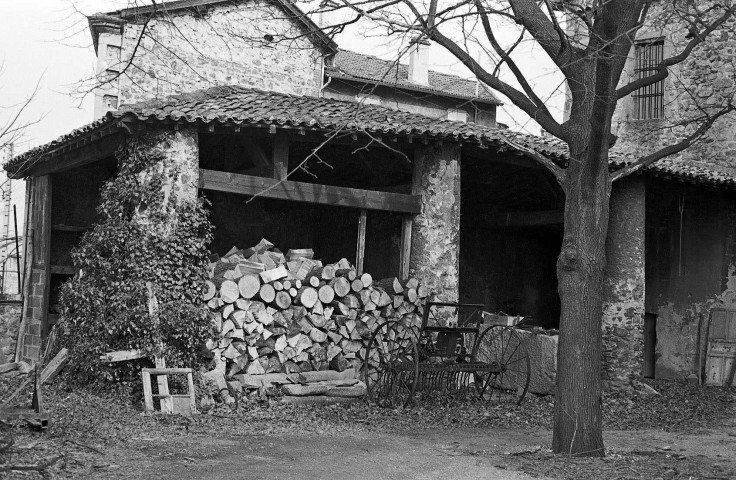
[
  {"x": 392, "y": 366},
  {"x": 506, "y": 380}
]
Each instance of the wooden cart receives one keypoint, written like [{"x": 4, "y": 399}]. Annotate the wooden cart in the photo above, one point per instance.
[{"x": 456, "y": 346}]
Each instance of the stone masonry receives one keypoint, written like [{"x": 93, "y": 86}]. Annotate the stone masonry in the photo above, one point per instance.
[
  {"x": 706, "y": 80},
  {"x": 435, "y": 246},
  {"x": 623, "y": 291},
  {"x": 251, "y": 44}
]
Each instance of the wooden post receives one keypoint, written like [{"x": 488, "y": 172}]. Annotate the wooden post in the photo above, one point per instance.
[
  {"x": 147, "y": 394},
  {"x": 359, "y": 255},
  {"x": 280, "y": 158},
  {"x": 44, "y": 260},
  {"x": 406, "y": 222}
]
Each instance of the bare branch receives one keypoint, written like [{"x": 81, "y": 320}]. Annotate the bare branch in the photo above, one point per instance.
[{"x": 662, "y": 68}]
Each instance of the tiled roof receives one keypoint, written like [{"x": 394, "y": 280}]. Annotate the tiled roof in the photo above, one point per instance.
[
  {"x": 366, "y": 68},
  {"x": 239, "y": 106}
]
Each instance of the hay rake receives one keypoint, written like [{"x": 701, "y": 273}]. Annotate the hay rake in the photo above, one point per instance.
[{"x": 450, "y": 351}]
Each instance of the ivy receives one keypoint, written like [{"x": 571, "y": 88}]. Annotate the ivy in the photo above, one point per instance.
[{"x": 145, "y": 235}]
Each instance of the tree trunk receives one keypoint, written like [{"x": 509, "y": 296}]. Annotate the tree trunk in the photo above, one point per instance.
[{"x": 577, "y": 424}]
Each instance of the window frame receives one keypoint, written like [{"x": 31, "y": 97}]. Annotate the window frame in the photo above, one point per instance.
[{"x": 648, "y": 100}]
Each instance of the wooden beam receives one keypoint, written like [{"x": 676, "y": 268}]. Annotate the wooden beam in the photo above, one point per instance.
[
  {"x": 77, "y": 157},
  {"x": 360, "y": 253},
  {"x": 280, "y": 156},
  {"x": 524, "y": 219},
  {"x": 308, "y": 192}
]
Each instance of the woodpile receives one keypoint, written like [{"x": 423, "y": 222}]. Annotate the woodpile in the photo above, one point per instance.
[{"x": 277, "y": 313}]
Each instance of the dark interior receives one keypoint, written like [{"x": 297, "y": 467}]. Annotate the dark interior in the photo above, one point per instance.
[{"x": 511, "y": 235}]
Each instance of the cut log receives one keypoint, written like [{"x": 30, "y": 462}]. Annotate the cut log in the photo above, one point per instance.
[
  {"x": 318, "y": 308},
  {"x": 274, "y": 274},
  {"x": 293, "y": 292},
  {"x": 278, "y": 286},
  {"x": 313, "y": 281},
  {"x": 267, "y": 293},
  {"x": 411, "y": 283},
  {"x": 229, "y": 291},
  {"x": 422, "y": 291},
  {"x": 318, "y": 335},
  {"x": 280, "y": 344},
  {"x": 351, "y": 301},
  {"x": 410, "y": 295},
  {"x": 327, "y": 375},
  {"x": 317, "y": 400},
  {"x": 341, "y": 286},
  {"x": 332, "y": 350},
  {"x": 326, "y": 294},
  {"x": 295, "y": 253},
  {"x": 297, "y": 284},
  {"x": 317, "y": 320},
  {"x": 391, "y": 285},
  {"x": 348, "y": 273},
  {"x": 262, "y": 246},
  {"x": 228, "y": 310},
  {"x": 210, "y": 290},
  {"x": 383, "y": 299},
  {"x": 286, "y": 284},
  {"x": 398, "y": 301},
  {"x": 307, "y": 296},
  {"x": 339, "y": 363},
  {"x": 356, "y": 285},
  {"x": 357, "y": 390},
  {"x": 283, "y": 300},
  {"x": 366, "y": 279},
  {"x": 342, "y": 308}
]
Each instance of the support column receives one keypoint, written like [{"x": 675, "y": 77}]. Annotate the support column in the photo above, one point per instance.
[
  {"x": 623, "y": 291},
  {"x": 435, "y": 233},
  {"x": 35, "y": 290},
  {"x": 178, "y": 151}
]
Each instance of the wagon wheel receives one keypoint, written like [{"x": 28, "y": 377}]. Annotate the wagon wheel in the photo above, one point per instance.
[
  {"x": 392, "y": 366},
  {"x": 507, "y": 380}
]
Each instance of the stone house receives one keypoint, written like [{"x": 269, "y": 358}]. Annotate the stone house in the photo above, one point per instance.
[{"x": 460, "y": 204}]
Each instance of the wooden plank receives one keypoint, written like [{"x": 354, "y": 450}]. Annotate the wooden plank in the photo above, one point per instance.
[
  {"x": 167, "y": 371},
  {"x": 122, "y": 356},
  {"x": 54, "y": 366},
  {"x": 147, "y": 393},
  {"x": 192, "y": 399},
  {"x": 167, "y": 404},
  {"x": 308, "y": 192},
  {"x": 360, "y": 253},
  {"x": 92, "y": 152},
  {"x": 280, "y": 156},
  {"x": 405, "y": 254}
]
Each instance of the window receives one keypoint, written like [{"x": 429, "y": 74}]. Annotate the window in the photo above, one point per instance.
[
  {"x": 457, "y": 115},
  {"x": 650, "y": 99}
]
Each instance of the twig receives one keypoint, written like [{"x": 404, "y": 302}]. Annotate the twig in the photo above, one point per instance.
[{"x": 86, "y": 446}]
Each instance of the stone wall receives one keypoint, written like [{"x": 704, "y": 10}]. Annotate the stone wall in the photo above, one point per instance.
[
  {"x": 623, "y": 293},
  {"x": 704, "y": 81},
  {"x": 10, "y": 309},
  {"x": 435, "y": 245},
  {"x": 229, "y": 45}
]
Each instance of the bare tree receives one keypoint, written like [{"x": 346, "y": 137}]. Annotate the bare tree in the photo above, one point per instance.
[
  {"x": 588, "y": 42},
  {"x": 13, "y": 121},
  {"x": 590, "y": 52}
]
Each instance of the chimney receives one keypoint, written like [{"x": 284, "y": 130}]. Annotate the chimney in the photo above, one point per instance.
[{"x": 419, "y": 62}]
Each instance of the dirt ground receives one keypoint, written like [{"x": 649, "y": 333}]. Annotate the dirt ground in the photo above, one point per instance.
[
  {"x": 456, "y": 454},
  {"x": 685, "y": 432}
]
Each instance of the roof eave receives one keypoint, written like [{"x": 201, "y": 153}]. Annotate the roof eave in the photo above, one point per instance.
[{"x": 100, "y": 23}]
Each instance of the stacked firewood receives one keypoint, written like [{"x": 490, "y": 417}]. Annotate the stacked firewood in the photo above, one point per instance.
[{"x": 289, "y": 313}]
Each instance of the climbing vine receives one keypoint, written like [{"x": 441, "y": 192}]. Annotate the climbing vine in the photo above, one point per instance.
[{"x": 141, "y": 268}]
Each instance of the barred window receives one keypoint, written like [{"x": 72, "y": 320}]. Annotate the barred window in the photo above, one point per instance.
[{"x": 650, "y": 99}]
